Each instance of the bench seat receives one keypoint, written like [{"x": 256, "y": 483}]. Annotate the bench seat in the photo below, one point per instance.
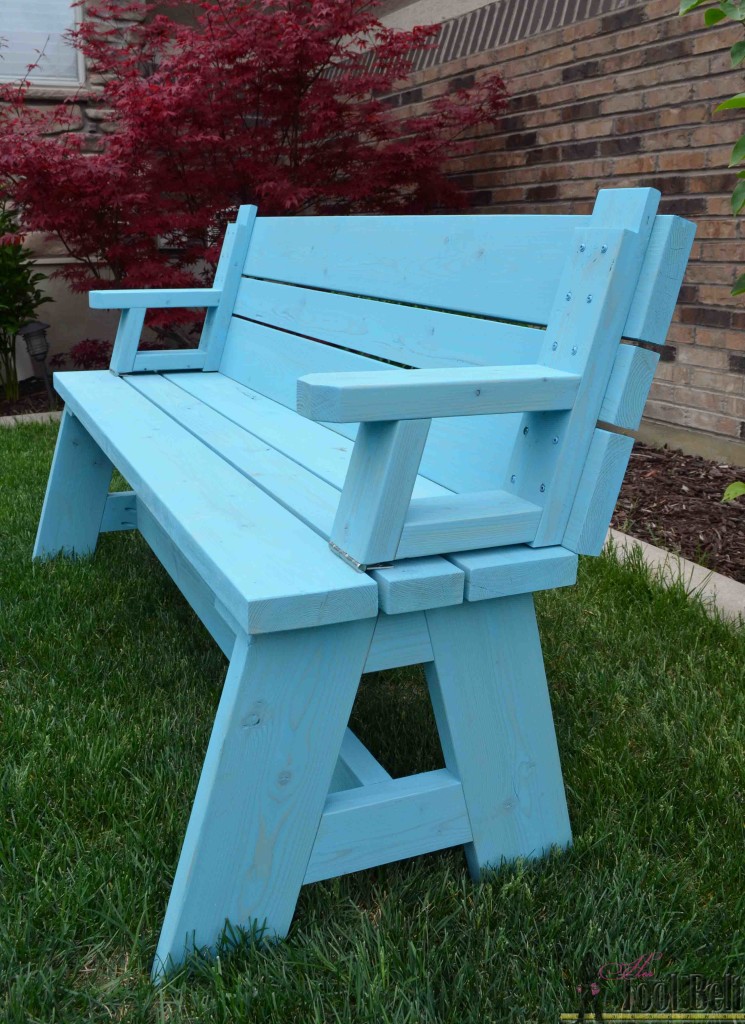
[
  {"x": 267, "y": 568},
  {"x": 393, "y": 432}
]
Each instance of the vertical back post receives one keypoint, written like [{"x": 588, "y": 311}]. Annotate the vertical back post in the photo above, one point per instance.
[
  {"x": 227, "y": 278},
  {"x": 583, "y": 334}
]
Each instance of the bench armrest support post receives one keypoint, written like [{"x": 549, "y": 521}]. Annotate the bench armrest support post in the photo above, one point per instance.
[{"x": 377, "y": 491}]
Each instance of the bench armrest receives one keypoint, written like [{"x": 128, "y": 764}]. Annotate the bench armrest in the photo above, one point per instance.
[
  {"x": 155, "y": 298},
  {"x": 383, "y": 395}
]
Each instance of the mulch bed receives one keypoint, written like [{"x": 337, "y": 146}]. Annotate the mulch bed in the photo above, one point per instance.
[
  {"x": 33, "y": 398},
  {"x": 668, "y": 498},
  {"x": 675, "y": 501}
]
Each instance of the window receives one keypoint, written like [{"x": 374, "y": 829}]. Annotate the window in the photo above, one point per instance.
[{"x": 28, "y": 27}]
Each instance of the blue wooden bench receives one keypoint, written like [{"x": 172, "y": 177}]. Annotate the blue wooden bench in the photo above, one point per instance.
[{"x": 393, "y": 432}]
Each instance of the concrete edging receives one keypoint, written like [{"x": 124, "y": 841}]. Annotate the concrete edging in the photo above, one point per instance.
[
  {"x": 30, "y": 417},
  {"x": 717, "y": 592}
]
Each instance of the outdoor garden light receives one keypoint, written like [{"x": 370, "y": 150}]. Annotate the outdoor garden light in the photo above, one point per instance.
[
  {"x": 37, "y": 346},
  {"x": 35, "y": 336}
]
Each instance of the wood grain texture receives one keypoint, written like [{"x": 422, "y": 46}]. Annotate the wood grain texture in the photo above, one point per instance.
[
  {"x": 598, "y": 492},
  {"x": 628, "y": 387},
  {"x": 198, "y": 594},
  {"x": 462, "y": 522},
  {"x": 227, "y": 280},
  {"x": 270, "y": 570},
  {"x": 275, "y": 741},
  {"x": 660, "y": 279},
  {"x": 360, "y": 763},
  {"x": 120, "y": 512},
  {"x": 493, "y": 713},
  {"x": 408, "y": 335},
  {"x": 584, "y": 331},
  {"x": 503, "y": 572},
  {"x": 127, "y": 339},
  {"x": 154, "y": 298},
  {"x": 378, "y": 488},
  {"x": 418, "y": 394},
  {"x": 169, "y": 360},
  {"x": 399, "y": 640},
  {"x": 388, "y": 821},
  {"x": 441, "y": 262},
  {"x": 76, "y": 493},
  {"x": 301, "y": 491},
  {"x": 418, "y": 583}
]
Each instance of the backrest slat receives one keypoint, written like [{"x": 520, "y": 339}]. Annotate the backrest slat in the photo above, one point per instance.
[
  {"x": 468, "y": 453},
  {"x": 443, "y": 262},
  {"x": 506, "y": 267},
  {"x": 407, "y": 335}
]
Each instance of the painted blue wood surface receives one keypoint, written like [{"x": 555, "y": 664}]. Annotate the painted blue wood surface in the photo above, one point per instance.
[
  {"x": 76, "y": 494},
  {"x": 493, "y": 713},
  {"x": 227, "y": 281},
  {"x": 238, "y": 496},
  {"x": 274, "y": 745},
  {"x": 154, "y": 298},
  {"x": 120, "y": 512},
  {"x": 389, "y": 821},
  {"x": 419, "y": 394},
  {"x": 502, "y": 572},
  {"x": 377, "y": 490},
  {"x": 441, "y": 262},
  {"x": 127, "y": 339},
  {"x": 269, "y": 569}
]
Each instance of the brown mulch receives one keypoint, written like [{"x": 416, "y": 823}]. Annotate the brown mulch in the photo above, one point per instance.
[
  {"x": 33, "y": 398},
  {"x": 670, "y": 499},
  {"x": 675, "y": 501}
]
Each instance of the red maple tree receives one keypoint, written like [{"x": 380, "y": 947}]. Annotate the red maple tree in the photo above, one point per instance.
[{"x": 275, "y": 103}]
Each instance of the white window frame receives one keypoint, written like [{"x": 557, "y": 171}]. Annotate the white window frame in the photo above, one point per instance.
[{"x": 37, "y": 79}]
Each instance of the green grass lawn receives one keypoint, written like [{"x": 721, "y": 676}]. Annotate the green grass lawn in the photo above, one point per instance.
[{"x": 108, "y": 686}]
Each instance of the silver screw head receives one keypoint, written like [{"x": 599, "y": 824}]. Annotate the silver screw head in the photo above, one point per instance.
[
  {"x": 525, "y": 430},
  {"x": 568, "y": 296},
  {"x": 604, "y": 248},
  {"x": 513, "y": 478},
  {"x": 574, "y": 350},
  {"x": 582, "y": 248},
  {"x": 589, "y": 298},
  {"x": 543, "y": 488},
  {"x": 555, "y": 440},
  {"x": 555, "y": 345}
]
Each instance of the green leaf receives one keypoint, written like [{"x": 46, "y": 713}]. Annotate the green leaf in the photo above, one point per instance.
[
  {"x": 714, "y": 15},
  {"x": 738, "y": 152},
  {"x": 735, "y": 11},
  {"x": 689, "y": 5},
  {"x": 733, "y": 103},
  {"x": 738, "y": 197},
  {"x": 737, "y": 53},
  {"x": 738, "y": 287},
  {"x": 735, "y": 490}
]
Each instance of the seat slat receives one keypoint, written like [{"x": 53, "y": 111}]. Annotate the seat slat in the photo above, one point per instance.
[
  {"x": 315, "y": 447},
  {"x": 268, "y": 568}
]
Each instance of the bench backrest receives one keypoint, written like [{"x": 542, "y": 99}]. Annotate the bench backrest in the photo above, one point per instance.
[{"x": 443, "y": 291}]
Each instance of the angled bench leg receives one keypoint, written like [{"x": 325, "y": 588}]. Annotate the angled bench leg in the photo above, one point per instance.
[
  {"x": 76, "y": 494},
  {"x": 492, "y": 707},
  {"x": 274, "y": 745}
]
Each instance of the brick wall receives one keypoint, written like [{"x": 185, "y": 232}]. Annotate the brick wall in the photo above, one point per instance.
[{"x": 626, "y": 99}]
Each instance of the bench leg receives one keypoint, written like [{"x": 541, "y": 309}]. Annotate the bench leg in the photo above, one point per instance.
[
  {"x": 274, "y": 745},
  {"x": 76, "y": 494},
  {"x": 491, "y": 703}
]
